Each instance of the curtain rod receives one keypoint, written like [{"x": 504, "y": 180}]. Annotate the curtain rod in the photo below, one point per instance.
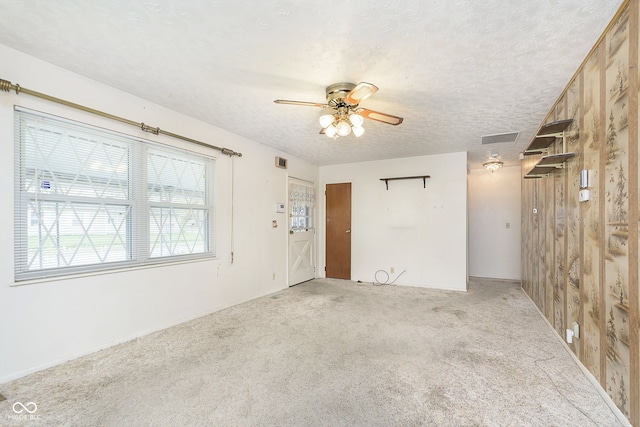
[{"x": 7, "y": 86}]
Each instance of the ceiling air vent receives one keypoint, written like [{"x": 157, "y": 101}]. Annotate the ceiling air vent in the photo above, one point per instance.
[
  {"x": 500, "y": 137},
  {"x": 281, "y": 162}
]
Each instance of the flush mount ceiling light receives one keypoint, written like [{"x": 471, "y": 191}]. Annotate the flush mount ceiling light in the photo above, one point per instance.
[
  {"x": 493, "y": 164},
  {"x": 346, "y": 116}
]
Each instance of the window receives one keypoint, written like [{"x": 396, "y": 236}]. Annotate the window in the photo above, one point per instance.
[
  {"x": 89, "y": 199},
  {"x": 302, "y": 198}
]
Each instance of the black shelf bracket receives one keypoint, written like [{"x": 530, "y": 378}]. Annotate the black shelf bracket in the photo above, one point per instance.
[{"x": 423, "y": 177}]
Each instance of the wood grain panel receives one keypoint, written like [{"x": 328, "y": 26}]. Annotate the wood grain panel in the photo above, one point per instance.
[
  {"x": 580, "y": 119},
  {"x": 559, "y": 261},
  {"x": 548, "y": 271},
  {"x": 617, "y": 214},
  {"x": 591, "y": 241},
  {"x": 525, "y": 226},
  {"x": 573, "y": 223},
  {"x": 634, "y": 304},
  {"x": 602, "y": 206}
]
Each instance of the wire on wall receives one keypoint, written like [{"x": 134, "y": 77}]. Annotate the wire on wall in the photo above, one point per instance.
[{"x": 378, "y": 282}]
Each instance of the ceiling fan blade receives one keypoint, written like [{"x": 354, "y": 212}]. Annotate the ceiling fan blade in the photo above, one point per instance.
[
  {"x": 361, "y": 91},
  {"x": 380, "y": 117},
  {"x": 306, "y": 104}
]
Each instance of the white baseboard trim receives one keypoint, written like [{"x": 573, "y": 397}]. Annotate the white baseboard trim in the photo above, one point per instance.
[{"x": 494, "y": 279}]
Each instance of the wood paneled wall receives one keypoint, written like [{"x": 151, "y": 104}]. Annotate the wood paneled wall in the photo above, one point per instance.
[{"x": 580, "y": 259}]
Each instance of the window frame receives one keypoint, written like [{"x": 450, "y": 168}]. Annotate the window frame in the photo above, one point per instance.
[{"x": 137, "y": 233}]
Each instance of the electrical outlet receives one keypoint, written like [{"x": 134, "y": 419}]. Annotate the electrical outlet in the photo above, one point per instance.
[
  {"x": 508, "y": 225},
  {"x": 576, "y": 330},
  {"x": 392, "y": 270},
  {"x": 274, "y": 276},
  {"x": 569, "y": 336}
]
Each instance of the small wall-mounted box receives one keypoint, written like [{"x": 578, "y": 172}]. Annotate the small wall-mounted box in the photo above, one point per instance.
[
  {"x": 280, "y": 208},
  {"x": 583, "y": 195}
]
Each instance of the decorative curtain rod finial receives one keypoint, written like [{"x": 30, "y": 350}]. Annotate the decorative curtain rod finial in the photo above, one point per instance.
[{"x": 6, "y": 86}]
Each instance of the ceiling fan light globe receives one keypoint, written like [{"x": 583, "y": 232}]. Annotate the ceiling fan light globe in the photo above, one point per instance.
[
  {"x": 343, "y": 128},
  {"x": 326, "y": 120},
  {"x": 358, "y": 131},
  {"x": 356, "y": 120},
  {"x": 330, "y": 131}
]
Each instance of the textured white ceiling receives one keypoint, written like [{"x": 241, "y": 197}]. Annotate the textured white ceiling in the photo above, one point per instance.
[{"x": 454, "y": 69}]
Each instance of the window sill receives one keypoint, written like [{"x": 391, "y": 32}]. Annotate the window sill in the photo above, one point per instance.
[{"x": 34, "y": 281}]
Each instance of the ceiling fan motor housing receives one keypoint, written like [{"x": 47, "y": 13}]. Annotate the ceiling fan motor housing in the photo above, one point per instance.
[{"x": 337, "y": 92}]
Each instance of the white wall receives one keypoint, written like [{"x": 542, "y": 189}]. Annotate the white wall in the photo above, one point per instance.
[
  {"x": 422, "y": 230},
  {"x": 494, "y": 201},
  {"x": 45, "y": 323}
]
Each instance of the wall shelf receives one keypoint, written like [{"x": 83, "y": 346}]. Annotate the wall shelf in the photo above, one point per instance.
[
  {"x": 555, "y": 160},
  {"x": 422, "y": 177},
  {"x": 548, "y": 164},
  {"x": 546, "y": 136},
  {"x": 539, "y": 145}
]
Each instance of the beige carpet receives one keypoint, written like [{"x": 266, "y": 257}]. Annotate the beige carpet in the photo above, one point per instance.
[{"x": 329, "y": 353}]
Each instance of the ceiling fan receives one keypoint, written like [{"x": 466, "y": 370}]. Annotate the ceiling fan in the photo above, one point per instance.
[{"x": 346, "y": 115}]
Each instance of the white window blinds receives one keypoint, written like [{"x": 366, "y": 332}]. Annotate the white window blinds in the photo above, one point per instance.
[{"x": 88, "y": 199}]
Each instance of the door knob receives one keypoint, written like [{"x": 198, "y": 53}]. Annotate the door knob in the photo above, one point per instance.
[{"x": 348, "y": 231}]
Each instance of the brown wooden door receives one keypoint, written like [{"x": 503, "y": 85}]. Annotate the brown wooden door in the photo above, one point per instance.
[{"x": 338, "y": 243}]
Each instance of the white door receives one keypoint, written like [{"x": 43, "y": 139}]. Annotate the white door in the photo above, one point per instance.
[{"x": 302, "y": 199}]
